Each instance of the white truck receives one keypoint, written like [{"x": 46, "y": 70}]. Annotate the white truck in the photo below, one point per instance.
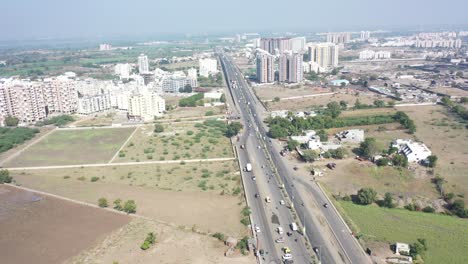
[
  {"x": 248, "y": 167},
  {"x": 293, "y": 226}
]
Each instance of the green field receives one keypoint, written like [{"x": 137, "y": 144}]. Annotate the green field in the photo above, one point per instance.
[
  {"x": 447, "y": 236},
  {"x": 66, "y": 147}
]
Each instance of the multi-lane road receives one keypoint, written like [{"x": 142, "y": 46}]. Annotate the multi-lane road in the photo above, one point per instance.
[{"x": 271, "y": 177}]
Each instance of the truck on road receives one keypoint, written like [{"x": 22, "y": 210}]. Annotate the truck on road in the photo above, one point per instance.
[{"x": 248, "y": 167}]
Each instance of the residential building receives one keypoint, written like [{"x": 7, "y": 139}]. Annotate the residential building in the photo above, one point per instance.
[
  {"x": 339, "y": 38},
  {"x": 173, "y": 83},
  {"x": 402, "y": 249},
  {"x": 143, "y": 64},
  {"x": 60, "y": 95},
  {"x": 275, "y": 45},
  {"x": 365, "y": 35},
  {"x": 123, "y": 70},
  {"x": 208, "y": 67},
  {"x": 265, "y": 68},
  {"x": 290, "y": 68},
  {"x": 298, "y": 44},
  {"x": 105, "y": 47},
  {"x": 193, "y": 77},
  {"x": 414, "y": 151},
  {"x": 146, "y": 106},
  {"x": 93, "y": 104},
  {"x": 324, "y": 54}
]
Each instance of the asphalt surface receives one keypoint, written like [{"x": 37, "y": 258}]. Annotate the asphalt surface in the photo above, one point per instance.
[
  {"x": 268, "y": 216},
  {"x": 348, "y": 251}
]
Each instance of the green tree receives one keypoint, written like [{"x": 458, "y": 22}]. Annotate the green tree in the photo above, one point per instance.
[
  {"x": 343, "y": 105},
  {"x": 458, "y": 208},
  {"x": 338, "y": 153},
  {"x": 5, "y": 177},
  {"x": 388, "y": 201},
  {"x": 400, "y": 160},
  {"x": 149, "y": 241},
  {"x": 382, "y": 162},
  {"x": 432, "y": 161},
  {"x": 459, "y": 74},
  {"x": 158, "y": 128},
  {"x": 334, "y": 109},
  {"x": 276, "y": 99},
  {"x": 379, "y": 103},
  {"x": 428, "y": 209},
  {"x": 222, "y": 99},
  {"x": 102, "y": 202},
  {"x": 369, "y": 147},
  {"x": 418, "y": 248},
  {"x": 11, "y": 121},
  {"x": 309, "y": 155},
  {"x": 233, "y": 129},
  {"x": 130, "y": 207},
  {"x": 323, "y": 135},
  {"x": 292, "y": 144},
  {"x": 277, "y": 131},
  {"x": 366, "y": 196}
]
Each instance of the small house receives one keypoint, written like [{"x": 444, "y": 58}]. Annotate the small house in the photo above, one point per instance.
[
  {"x": 351, "y": 136},
  {"x": 402, "y": 248}
]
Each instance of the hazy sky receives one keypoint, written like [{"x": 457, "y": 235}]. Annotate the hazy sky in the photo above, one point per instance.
[{"x": 66, "y": 18}]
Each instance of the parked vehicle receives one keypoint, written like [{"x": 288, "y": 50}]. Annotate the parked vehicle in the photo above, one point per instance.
[
  {"x": 293, "y": 227},
  {"x": 267, "y": 199},
  {"x": 279, "y": 230},
  {"x": 287, "y": 256},
  {"x": 248, "y": 167},
  {"x": 279, "y": 240}
]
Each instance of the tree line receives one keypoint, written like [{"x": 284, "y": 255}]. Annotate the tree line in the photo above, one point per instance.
[{"x": 11, "y": 137}]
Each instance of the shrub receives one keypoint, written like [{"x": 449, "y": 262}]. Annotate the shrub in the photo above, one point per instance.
[
  {"x": 81, "y": 178},
  {"x": 102, "y": 202},
  {"x": 149, "y": 241},
  {"x": 158, "y": 128},
  {"x": 366, "y": 196},
  {"x": 5, "y": 177},
  {"x": 130, "y": 207},
  {"x": 428, "y": 209},
  {"x": 118, "y": 205},
  {"x": 219, "y": 236},
  {"x": 94, "y": 179}
]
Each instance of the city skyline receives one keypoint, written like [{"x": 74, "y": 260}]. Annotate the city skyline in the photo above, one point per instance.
[{"x": 54, "y": 19}]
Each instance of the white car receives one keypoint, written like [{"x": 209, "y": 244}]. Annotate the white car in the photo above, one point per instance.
[
  {"x": 282, "y": 202},
  {"x": 257, "y": 229},
  {"x": 287, "y": 256}
]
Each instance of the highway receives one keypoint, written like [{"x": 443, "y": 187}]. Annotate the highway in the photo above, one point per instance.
[
  {"x": 261, "y": 183},
  {"x": 333, "y": 242}
]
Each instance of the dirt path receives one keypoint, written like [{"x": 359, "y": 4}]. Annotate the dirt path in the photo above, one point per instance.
[
  {"x": 123, "y": 145},
  {"x": 118, "y": 164}
]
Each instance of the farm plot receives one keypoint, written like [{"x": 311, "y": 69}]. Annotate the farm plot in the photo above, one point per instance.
[{"x": 67, "y": 147}]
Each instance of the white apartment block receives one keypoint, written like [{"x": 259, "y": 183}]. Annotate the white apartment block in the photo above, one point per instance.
[
  {"x": 265, "y": 68},
  {"x": 297, "y": 44},
  {"x": 290, "y": 68},
  {"x": 105, "y": 47},
  {"x": 365, "y": 35},
  {"x": 438, "y": 43},
  {"x": 324, "y": 54},
  {"x": 23, "y": 100},
  {"x": 208, "y": 67},
  {"x": 60, "y": 95},
  {"x": 123, "y": 70},
  {"x": 143, "y": 64},
  {"x": 374, "y": 55},
  {"x": 146, "y": 106},
  {"x": 93, "y": 104},
  {"x": 192, "y": 75},
  {"x": 339, "y": 37}
]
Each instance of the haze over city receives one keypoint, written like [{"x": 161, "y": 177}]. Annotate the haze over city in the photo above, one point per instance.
[{"x": 53, "y": 18}]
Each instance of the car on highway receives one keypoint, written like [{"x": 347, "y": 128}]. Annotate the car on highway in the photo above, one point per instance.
[
  {"x": 282, "y": 202},
  {"x": 325, "y": 205},
  {"x": 257, "y": 229},
  {"x": 267, "y": 199},
  {"x": 257, "y": 195},
  {"x": 254, "y": 178},
  {"x": 287, "y": 256},
  {"x": 279, "y": 240}
]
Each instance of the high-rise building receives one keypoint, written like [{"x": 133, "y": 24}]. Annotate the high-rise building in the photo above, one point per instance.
[
  {"x": 143, "y": 64},
  {"x": 60, "y": 95},
  {"x": 123, "y": 70},
  {"x": 265, "y": 68},
  {"x": 297, "y": 44},
  {"x": 290, "y": 68},
  {"x": 105, "y": 47},
  {"x": 275, "y": 45},
  {"x": 324, "y": 54},
  {"x": 192, "y": 77},
  {"x": 93, "y": 104},
  {"x": 208, "y": 67},
  {"x": 339, "y": 38},
  {"x": 365, "y": 35}
]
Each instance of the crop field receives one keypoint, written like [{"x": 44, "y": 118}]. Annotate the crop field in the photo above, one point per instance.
[
  {"x": 41, "y": 229},
  {"x": 207, "y": 195},
  {"x": 446, "y": 236},
  {"x": 179, "y": 141},
  {"x": 65, "y": 147},
  {"x": 446, "y": 136}
]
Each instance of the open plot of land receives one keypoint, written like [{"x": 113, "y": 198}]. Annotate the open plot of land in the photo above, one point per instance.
[
  {"x": 192, "y": 112},
  {"x": 447, "y": 138},
  {"x": 179, "y": 141},
  {"x": 42, "y": 229},
  {"x": 207, "y": 195},
  {"x": 181, "y": 65},
  {"x": 369, "y": 112},
  {"x": 80, "y": 146},
  {"x": 308, "y": 102},
  {"x": 102, "y": 119},
  {"x": 446, "y": 236},
  {"x": 269, "y": 92},
  {"x": 451, "y": 91},
  {"x": 173, "y": 245}
]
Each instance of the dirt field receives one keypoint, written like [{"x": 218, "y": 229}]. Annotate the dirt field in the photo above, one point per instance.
[
  {"x": 64, "y": 147},
  {"x": 192, "y": 112},
  {"x": 173, "y": 245},
  {"x": 179, "y": 141},
  {"x": 170, "y": 193},
  {"x": 450, "y": 91},
  {"x": 40, "y": 229},
  {"x": 309, "y": 102},
  {"x": 369, "y": 112},
  {"x": 447, "y": 138},
  {"x": 269, "y": 92}
]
